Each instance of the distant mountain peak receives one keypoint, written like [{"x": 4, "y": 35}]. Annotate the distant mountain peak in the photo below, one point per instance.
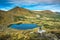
[
  {"x": 48, "y": 10},
  {"x": 17, "y": 7},
  {"x": 2, "y": 11}
]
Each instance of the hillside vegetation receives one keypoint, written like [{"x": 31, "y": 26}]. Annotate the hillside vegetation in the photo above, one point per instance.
[{"x": 50, "y": 20}]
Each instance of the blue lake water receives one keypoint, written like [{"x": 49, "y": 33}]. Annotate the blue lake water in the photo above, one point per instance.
[{"x": 23, "y": 26}]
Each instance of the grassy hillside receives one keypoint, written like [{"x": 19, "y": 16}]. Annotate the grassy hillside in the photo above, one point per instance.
[
  {"x": 18, "y": 15},
  {"x": 50, "y": 20},
  {"x": 14, "y": 15}
]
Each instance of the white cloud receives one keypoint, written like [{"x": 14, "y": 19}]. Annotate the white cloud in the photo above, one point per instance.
[
  {"x": 3, "y": 9},
  {"x": 46, "y": 7},
  {"x": 6, "y": 8},
  {"x": 54, "y": 4},
  {"x": 30, "y": 2}
]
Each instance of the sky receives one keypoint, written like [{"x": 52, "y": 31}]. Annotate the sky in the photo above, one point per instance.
[{"x": 37, "y": 5}]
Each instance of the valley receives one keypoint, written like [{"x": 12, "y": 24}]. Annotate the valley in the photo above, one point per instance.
[{"x": 50, "y": 20}]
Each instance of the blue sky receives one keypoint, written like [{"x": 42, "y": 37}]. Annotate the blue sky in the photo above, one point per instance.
[{"x": 53, "y": 5}]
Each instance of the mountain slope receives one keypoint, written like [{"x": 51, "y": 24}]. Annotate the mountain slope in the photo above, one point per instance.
[
  {"x": 47, "y": 13},
  {"x": 13, "y": 15},
  {"x": 19, "y": 11},
  {"x": 19, "y": 14}
]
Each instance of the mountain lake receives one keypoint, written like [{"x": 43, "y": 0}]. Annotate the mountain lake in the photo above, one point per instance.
[{"x": 23, "y": 26}]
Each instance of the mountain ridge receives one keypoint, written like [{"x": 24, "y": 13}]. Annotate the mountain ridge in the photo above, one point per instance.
[
  {"x": 13, "y": 15},
  {"x": 17, "y": 13}
]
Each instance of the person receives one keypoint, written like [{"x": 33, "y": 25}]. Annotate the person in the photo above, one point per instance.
[{"x": 40, "y": 30}]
